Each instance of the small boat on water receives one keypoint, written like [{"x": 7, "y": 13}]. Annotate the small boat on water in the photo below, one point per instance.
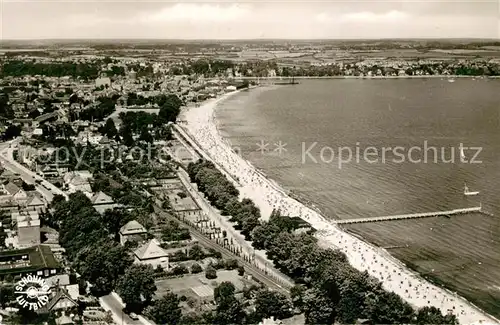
[
  {"x": 451, "y": 80},
  {"x": 469, "y": 193}
]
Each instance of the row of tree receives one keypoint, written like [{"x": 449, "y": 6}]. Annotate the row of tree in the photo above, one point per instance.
[
  {"x": 134, "y": 99},
  {"x": 224, "y": 196}
]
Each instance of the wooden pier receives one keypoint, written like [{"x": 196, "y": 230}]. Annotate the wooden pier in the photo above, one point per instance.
[{"x": 410, "y": 216}]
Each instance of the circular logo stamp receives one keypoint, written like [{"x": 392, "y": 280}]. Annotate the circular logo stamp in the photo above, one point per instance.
[{"x": 33, "y": 292}]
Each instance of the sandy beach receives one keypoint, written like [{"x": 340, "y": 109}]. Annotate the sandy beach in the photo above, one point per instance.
[{"x": 267, "y": 195}]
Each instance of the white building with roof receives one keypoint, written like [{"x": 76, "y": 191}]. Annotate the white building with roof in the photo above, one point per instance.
[
  {"x": 102, "y": 202},
  {"x": 151, "y": 253},
  {"x": 35, "y": 203},
  {"x": 131, "y": 230}
]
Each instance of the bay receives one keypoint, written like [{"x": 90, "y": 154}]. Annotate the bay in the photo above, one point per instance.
[{"x": 297, "y": 134}]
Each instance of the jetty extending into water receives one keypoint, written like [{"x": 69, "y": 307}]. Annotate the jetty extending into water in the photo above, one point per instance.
[{"x": 411, "y": 216}]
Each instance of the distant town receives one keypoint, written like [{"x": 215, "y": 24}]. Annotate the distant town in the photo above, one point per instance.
[{"x": 107, "y": 200}]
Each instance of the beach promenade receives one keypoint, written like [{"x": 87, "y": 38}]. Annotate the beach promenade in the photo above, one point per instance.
[{"x": 363, "y": 256}]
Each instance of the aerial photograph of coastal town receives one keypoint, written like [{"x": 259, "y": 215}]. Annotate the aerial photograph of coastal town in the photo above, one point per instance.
[{"x": 262, "y": 162}]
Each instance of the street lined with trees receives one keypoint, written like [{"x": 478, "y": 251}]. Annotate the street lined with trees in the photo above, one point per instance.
[{"x": 328, "y": 288}]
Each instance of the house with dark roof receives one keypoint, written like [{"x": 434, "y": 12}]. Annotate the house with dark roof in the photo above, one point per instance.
[
  {"x": 37, "y": 260},
  {"x": 60, "y": 301},
  {"x": 17, "y": 193},
  {"x": 7, "y": 175}
]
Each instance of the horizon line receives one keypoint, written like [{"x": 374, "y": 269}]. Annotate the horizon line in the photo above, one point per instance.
[{"x": 248, "y": 39}]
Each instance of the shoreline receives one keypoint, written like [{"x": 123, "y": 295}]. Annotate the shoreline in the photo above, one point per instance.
[
  {"x": 268, "y": 195},
  {"x": 443, "y": 76}
]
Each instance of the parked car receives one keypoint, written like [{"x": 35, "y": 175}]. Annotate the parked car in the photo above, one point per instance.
[{"x": 134, "y": 316}]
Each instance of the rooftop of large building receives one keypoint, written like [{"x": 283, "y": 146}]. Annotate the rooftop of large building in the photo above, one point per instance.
[{"x": 27, "y": 260}]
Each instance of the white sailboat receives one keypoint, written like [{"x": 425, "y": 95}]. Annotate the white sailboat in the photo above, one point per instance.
[{"x": 469, "y": 193}]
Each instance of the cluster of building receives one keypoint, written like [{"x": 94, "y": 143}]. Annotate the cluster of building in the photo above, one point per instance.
[
  {"x": 28, "y": 248},
  {"x": 375, "y": 67},
  {"x": 21, "y": 211},
  {"x": 389, "y": 67},
  {"x": 51, "y": 96}
]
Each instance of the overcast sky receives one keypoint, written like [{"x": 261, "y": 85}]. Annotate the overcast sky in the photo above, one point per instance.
[{"x": 37, "y": 19}]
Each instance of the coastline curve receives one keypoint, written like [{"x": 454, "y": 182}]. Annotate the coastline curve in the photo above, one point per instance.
[{"x": 268, "y": 195}]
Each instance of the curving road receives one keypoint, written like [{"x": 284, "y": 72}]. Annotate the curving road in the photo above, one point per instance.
[
  {"x": 214, "y": 214},
  {"x": 111, "y": 303}
]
